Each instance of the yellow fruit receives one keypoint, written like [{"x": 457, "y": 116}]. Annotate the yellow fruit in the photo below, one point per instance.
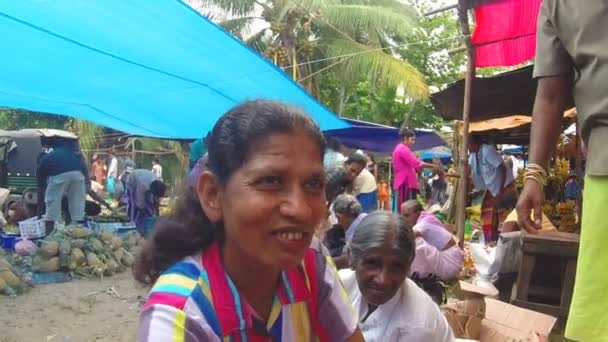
[
  {"x": 116, "y": 243},
  {"x": 49, "y": 248},
  {"x": 5, "y": 265},
  {"x": 127, "y": 260},
  {"x": 77, "y": 256},
  {"x": 51, "y": 265},
  {"x": 106, "y": 237},
  {"x": 10, "y": 278},
  {"x": 111, "y": 266},
  {"x": 79, "y": 233},
  {"x": 118, "y": 254}
]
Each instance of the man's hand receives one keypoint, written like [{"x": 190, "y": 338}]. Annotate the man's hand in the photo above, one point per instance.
[{"x": 531, "y": 200}]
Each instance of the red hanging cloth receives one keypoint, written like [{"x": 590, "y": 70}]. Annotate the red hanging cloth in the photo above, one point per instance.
[{"x": 505, "y": 32}]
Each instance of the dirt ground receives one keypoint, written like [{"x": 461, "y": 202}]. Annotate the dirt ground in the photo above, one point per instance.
[{"x": 80, "y": 310}]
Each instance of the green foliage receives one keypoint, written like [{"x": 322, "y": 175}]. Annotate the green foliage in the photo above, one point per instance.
[
  {"x": 425, "y": 49},
  {"x": 310, "y": 37},
  {"x": 13, "y": 119},
  {"x": 89, "y": 135}
]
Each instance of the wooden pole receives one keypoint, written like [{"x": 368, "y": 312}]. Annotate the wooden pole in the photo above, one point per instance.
[{"x": 462, "y": 195}]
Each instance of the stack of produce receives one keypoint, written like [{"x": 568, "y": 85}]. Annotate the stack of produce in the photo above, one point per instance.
[
  {"x": 11, "y": 281},
  {"x": 468, "y": 268},
  {"x": 562, "y": 169},
  {"x": 549, "y": 209},
  {"x": 82, "y": 252},
  {"x": 519, "y": 181},
  {"x": 567, "y": 214}
]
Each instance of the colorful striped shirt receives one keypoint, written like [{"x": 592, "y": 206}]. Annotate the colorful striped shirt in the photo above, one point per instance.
[{"x": 195, "y": 300}]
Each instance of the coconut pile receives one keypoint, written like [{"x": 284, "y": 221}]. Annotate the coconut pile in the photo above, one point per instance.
[{"x": 76, "y": 250}]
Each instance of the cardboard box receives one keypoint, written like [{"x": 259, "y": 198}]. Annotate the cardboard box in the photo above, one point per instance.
[
  {"x": 480, "y": 318},
  {"x": 505, "y": 323}
]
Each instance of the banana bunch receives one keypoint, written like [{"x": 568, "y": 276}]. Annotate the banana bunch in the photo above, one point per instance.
[
  {"x": 567, "y": 213},
  {"x": 562, "y": 169}
]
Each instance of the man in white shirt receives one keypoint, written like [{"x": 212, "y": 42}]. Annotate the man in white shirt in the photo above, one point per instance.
[
  {"x": 491, "y": 175},
  {"x": 157, "y": 169},
  {"x": 365, "y": 189}
]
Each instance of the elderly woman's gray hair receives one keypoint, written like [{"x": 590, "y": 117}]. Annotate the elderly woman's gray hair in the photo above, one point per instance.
[
  {"x": 347, "y": 205},
  {"x": 382, "y": 228}
]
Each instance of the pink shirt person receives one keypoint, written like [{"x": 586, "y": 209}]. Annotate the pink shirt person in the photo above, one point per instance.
[
  {"x": 406, "y": 167},
  {"x": 436, "y": 251}
]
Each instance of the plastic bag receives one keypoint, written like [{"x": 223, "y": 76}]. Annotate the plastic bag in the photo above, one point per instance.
[
  {"x": 482, "y": 256},
  {"x": 508, "y": 253}
]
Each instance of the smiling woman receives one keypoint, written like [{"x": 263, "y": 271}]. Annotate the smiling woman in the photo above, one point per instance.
[
  {"x": 390, "y": 306},
  {"x": 237, "y": 260}
]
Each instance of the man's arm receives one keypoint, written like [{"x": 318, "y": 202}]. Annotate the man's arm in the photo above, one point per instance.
[{"x": 547, "y": 117}]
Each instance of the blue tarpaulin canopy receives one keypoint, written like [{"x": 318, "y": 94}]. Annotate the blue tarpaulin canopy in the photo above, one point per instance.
[
  {"x": 380, "y": 138},
  {"x": 153, "y": 68},
  {"x": 441, "y": 152}
]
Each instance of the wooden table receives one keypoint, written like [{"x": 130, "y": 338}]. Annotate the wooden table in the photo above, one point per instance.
[{"x": 561, "y": 247}]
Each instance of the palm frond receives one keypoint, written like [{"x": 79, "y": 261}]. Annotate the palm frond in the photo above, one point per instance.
[
  {"x": 237, "y": 26},
  {"x": 353, "y": 18},
  {"x": 310, "y": 7},
  {"x": 395, "y": 72},
  {"x": 89, "y": 134},
  {"x": 259, "y": 41},
  {"x": 395, "y": 5},
  {"x": 232, "y": 7}
]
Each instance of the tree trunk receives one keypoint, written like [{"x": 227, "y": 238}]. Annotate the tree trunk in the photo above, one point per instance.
[
  {"x": 372, "y": 92},
  {"x": 341, "y": 99}
]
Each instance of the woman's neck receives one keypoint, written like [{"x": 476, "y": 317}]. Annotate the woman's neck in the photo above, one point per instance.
[{"x": 257, "y": 283}]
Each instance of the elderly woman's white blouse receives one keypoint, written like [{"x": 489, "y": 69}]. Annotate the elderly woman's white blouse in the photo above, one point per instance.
[{"x": 411, "y": 315}]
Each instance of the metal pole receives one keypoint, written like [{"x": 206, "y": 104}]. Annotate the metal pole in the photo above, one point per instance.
[
  {"x": 461, "y": 199},
  {"x": 439, "y": 10}
]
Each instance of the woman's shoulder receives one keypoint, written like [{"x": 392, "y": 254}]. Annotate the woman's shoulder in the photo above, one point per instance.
[
  {"x": 177, "y": 285},
  {"x": 349, "y": 280},
  {"x": 424, "y": 312}
]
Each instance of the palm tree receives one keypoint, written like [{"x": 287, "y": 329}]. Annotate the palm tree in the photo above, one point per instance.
[{"x": 354, "y": 38}]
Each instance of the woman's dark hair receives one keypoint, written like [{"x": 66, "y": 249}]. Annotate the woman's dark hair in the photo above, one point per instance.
[
  {"x": 357, "y": 158},
  {"x": 188, "y": 230},
  {"x": 158, "y": 188},
  {"x": 333, "y": 144},
  {"x": 406, "y": 133}
]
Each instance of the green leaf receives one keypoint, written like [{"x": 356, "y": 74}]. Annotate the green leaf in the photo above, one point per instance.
[
  {"x": 232, "y": 7},
  {"x": 237, "y": 26},
  {"x": 353, "y": 18},
  {"x": 390, "y": 70}
]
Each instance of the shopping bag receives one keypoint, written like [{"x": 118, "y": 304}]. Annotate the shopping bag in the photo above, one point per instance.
[
  {"x": 508, "y": 253},
  {"x": 482, "y": 255}
]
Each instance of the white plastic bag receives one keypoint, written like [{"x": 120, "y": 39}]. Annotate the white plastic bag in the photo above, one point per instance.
[
  {"x": 508, "y": 253},
  {"x": 482, "y": 256}
]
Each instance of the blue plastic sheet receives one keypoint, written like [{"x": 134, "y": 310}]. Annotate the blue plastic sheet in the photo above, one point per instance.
[
  {"x": 441, "y": 152},
  {"x": 151, "y": 68},
  {"x": 379, "y": 138}
]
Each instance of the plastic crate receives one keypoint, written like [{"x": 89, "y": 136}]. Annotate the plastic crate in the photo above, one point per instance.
[
  {"x": 114, "y": 227},
  {"x": 8, "y": 241},
  {"x": 32, "y": 228}
]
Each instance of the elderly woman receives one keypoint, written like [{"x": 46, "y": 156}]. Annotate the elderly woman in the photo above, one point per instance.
[
  {"x": 437, "y": 252},
  {"x": 390, "y": 306},
  {"x": 237, "y": 260},
  {"x": 348, "y": 214}
]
